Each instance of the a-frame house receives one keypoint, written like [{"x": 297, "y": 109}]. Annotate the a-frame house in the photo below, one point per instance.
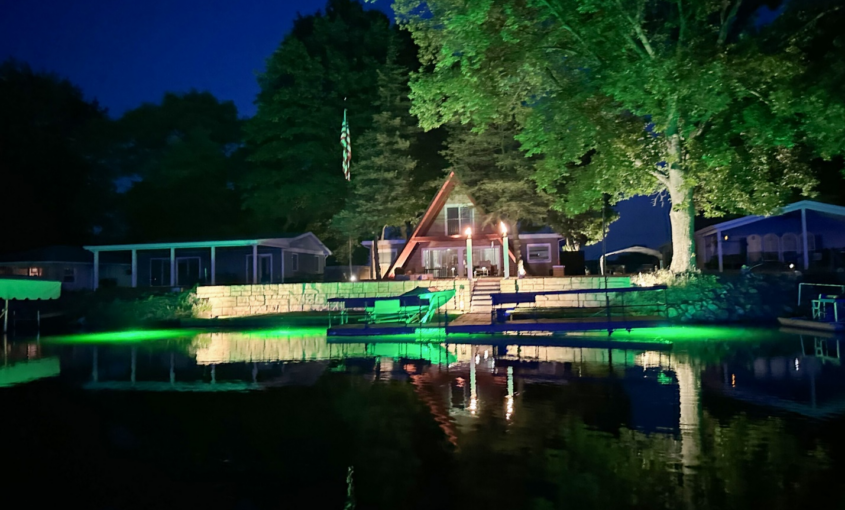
[{"x": 439, "y": 242}]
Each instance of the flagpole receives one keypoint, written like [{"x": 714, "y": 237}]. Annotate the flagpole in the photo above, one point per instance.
[{"x": 346, "y": 142}]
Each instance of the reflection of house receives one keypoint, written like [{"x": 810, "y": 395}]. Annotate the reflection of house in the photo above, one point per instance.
[
  {"x": 808, "y": 382},
  {"x": 72, "y": 266},
  {"x": 805, "y": 234},
  {"x": 439, "y": 243},
  {"x": 282, "y": 258}
]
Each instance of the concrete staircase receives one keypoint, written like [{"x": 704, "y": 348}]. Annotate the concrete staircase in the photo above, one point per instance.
[{"x": 481, "y": 301}]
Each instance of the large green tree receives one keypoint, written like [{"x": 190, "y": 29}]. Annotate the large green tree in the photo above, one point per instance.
[
  {"x": 53, "y": 191},
  {"x": 327, "y": 63},
  {"x": 182, "y": 155},
  {"x": 493, "y": 169},
  {"x": 389, "y": 187},
  {"x": 690, "y": 99}
]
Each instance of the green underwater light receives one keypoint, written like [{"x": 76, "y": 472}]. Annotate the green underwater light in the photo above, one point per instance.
[
  {"x": 141, "y": 335},
  {"x": 693, "y": 334}
]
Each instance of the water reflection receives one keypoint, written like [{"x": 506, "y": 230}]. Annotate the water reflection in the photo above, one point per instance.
[{"x": 497, "y": 424}]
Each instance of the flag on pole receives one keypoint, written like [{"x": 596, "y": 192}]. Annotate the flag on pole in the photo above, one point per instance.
[{"x": 346, "y": 142}]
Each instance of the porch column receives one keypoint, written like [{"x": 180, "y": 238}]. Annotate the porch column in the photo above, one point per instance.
[
  {"x": 506, "y": 260},
  {"x": 96, "y": 269},
  {"x": 213, "y": 264},
  {"x": 254, "y": 264},
  {"x": 469, "y": 254},
  {"x": 804, "y": 238},
  {"x": 719, "y": 249},
  {"x": 134, "y": 268},
  {"x": 172, "y": 267}
]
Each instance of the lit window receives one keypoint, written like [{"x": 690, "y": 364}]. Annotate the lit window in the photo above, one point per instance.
[
  {"x": 458, "y": 217},
  {"x": 69, "y": 275},
  {"x": 539, "y": 253},
  {"x": 35, "y": 271}
]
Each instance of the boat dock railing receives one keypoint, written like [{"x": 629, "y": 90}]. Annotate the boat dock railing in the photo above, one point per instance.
[
  {"x": 802, "y": 286},
  {"x": 506, "y": 304}
]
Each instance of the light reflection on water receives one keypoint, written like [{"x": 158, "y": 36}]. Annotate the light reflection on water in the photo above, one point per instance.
[{"x": 700, "y": 425}]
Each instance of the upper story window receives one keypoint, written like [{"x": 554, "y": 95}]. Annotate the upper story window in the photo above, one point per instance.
[{"x": 458, "y": 218}]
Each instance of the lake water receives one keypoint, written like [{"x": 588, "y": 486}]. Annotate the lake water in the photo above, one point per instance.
[{"x": 677, "y": 418}]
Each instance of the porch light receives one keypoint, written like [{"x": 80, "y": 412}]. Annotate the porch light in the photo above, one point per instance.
[
  {"x": 503, "y": 228},
  {"x": 468, "y": 232}
]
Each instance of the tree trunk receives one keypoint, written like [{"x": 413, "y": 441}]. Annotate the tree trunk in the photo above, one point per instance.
[
  {"x": 516, "y": 246},
  {"x": 375, "y": 259},
  {"x": 682, "y": 214}
]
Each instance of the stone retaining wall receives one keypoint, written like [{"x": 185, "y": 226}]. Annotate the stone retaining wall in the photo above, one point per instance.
[
  {"x": 243, "y": 300},
  {"x": 566, "y": 283}
]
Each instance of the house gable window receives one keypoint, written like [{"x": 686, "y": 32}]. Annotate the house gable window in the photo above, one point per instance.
[
  {"x": 458, "y": 217},
  {"x": 539, "y": 253}
]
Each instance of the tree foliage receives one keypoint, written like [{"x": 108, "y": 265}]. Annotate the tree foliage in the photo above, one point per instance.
[
  {"x": 692, "y": 99},
  {"x": 386, "y": 189},
  {"x": 494, "y": 171},
  {"x": 183, "y": 156},
  {"x": 53, "y": 191},
  {"x": 328, "y": 62}
]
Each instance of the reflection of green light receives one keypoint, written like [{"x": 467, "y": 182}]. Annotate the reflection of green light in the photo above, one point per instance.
[
  {"x": 170, "y": 334},
  {"x": 694, "y": 333},
  {"x": 663, "y": 378},
  {"x": 124, "y": 336},
  {"x": 281, "y": 333}
]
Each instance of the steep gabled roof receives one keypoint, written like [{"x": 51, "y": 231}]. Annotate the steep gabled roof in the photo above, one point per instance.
[{"x": 428, "y": 218}]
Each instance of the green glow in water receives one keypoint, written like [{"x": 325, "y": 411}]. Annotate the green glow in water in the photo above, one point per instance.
[
  {"x": 694, "y": 333},
  {"x": 124, "y": 336}
]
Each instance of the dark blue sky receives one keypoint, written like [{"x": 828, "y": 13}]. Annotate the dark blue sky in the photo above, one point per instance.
[{"x": 127, "y": 52}]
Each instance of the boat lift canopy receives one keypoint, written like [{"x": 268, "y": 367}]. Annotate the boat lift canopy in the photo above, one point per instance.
[{"x": 23, "y": 289}]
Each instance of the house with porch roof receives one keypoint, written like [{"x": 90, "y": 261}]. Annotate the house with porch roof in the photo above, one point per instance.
[
  {"x": 280, "y": 258},
  {"x": 803, "y": 235},
  {"x": 438, "y": 246}
]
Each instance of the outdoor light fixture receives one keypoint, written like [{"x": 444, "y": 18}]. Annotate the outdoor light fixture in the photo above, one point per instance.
[
  {"x": 505, "y": 262},
  {"x": 468, "y": 232},
  {"x": 726, "y": 238},
  {"x": 352, "y": 278}
]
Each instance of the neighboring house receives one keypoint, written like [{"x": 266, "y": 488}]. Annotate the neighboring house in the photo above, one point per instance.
[
  {"x": 439, "y": 243},
  {"x": 71, "y": 265},
  {"x": 291, "y": 257},
  {"x": 803, "y": 235}
]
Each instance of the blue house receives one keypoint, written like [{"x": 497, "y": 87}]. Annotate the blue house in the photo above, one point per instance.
[
  {"x": 803, "y": 235},
  {"x": 293, "y": 257}
]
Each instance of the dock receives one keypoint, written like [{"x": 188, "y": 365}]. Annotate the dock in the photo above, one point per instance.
[{"x": 480, "y": 323}]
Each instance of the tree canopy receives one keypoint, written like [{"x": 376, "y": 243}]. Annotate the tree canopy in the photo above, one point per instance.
[
  {"x": 182, "y": 155},
  {"x": 692, "y": 99},
  {"x": 387, "y": 188},
  {"x": 327, "y": 63},
  {"x": 53, "y": 191}
]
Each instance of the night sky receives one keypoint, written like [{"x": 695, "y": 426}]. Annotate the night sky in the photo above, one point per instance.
[{"x": 126, "y": 52}]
